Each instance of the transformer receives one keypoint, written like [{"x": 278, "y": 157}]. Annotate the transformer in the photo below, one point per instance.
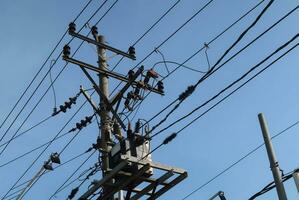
[{"x": 135, "y": 146}]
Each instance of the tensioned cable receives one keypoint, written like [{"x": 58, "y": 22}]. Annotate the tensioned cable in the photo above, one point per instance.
[
  {"x": 66, "y": 162},
  {"x": 148, "y": 30},
  {"x": 43, "y": 65},
  {"x": 171, "y": 137},
  {"x": 29, "y": 129},
  {"x": 192, "y": 88},
  {"x": 67, "y": 179},
  {"x": 78, "y": 168},
  {"x": 61, "y": 151},
  {"x": 47, "y": 146},
  {"x": 48, "y": 89},
  {"x": 228, "y": 87},
  {"x": 52, "y": 83},
  {"x": 238, "y": 161},
  {"x": 46, "y": 172},
  {"x": 43, "y": 80},
  {"x": 190, "y": 123},
  {"x": 213, "y": 40},
  {"x": 169, "y": 37}
]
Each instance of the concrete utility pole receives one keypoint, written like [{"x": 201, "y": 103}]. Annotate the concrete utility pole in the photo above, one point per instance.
[
  {"x": 103, "y": 85},
  {"x": 272, "y": 159},
  {"x": 124, "y": 172},
  {"x": 105, "y": 117}
]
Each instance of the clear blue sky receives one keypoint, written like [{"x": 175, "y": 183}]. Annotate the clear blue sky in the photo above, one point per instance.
[{"x": 31, "y": 28}]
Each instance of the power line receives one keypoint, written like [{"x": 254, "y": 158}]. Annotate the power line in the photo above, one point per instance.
[
  {"x": 47, "y": 146},
  {"x": 36, "y": 148},
  {"x": 229, "y": 86},
  {"x": 62, "y": 164},
  {"x": 53, "y": 80},
  {"x": 239, "y": 160},
  {"x": 45, "y": 93},
  {"x": 182, "y": 97},
  {"x": 173, "y": 136},
  {"x": 78, "y": 168},
  {"x": 149, "y": 29},
  {"x": 43, "y": 65},
  {"x": 213, "y": 40},
  {"x": 169, "y": 37},
  {"x": 29, "y": 129}
]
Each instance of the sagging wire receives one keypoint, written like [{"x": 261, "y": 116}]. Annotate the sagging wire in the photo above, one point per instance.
[{"x": 52, "y": 63}]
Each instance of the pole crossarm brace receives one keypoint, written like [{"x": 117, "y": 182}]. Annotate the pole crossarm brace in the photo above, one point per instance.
[
  {"x": 152, "y": 187},
  {"x": 108, "y": 73},
  {"x": 129, "y": 83},
  {"x": 104, "y": 46},
  {"x": 106, "y": 101}
]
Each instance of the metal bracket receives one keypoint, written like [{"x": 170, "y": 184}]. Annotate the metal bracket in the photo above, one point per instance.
[{"x": 106, "y": 101}]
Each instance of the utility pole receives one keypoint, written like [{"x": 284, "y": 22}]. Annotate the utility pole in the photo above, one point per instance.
[
  {"x": 104, "y": 87},
  {"x": 272, "y": 158},
  {"x": 126, "y": 170}
]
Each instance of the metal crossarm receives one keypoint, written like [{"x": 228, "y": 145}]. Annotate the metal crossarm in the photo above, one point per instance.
[
  {"x": 108, "y": 73},
  {"x": 104, "y": 46}
]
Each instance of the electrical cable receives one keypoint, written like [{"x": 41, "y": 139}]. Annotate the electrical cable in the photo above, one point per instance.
[
  {"x": 213, "y": 40},
  {"x": 229, "y": 86},
  {"x": 43, "y": 65},
  {"x": 53, "y": 81},
  {"x": 169, "y": 37},
  {"x": 47, "y": 146},
  {"x": 148, "y": 30},
  {"x": 36, "y": 148},
  {"x": 29, "y": 129},
  {"x": 52, "y": 85},
  {"x": 192, "y": 88},
  {"x": 72, "y": 174},
  {"x": 180, "y": 64},
  {"x": 239, "y": 87},
  {"x": 163, "y": 58},
  {"x": 270, "y": 187},
  {"x": 26, "y": 103},
  {"x": 61, "y": 151},
  {"x": 62, "y": 164},
  {"x": 71, "y": 196},
  {"x": 222, "y": 101},
  {"x": 246, "y": 155}
]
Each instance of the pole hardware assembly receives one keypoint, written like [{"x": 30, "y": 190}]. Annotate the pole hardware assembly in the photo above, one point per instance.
[{"x": 127, "y": 166}]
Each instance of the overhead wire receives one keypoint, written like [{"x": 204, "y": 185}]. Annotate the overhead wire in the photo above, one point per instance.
[
  {"x": 169, "y": 37},
  {"x": 202, "y": 48},
  {"x": 149, "y": 29},
  {"x": 45, "y": 172},
  {"x": 47, "y": 90},
  {"x": 32, "y": 110},
  {"x": 43, "y": 65},
  {"x": 174, "y": 135},
  {"x": 180, "y": 64},
  {"x": 61, "y": 151},
  {"x": 52, "y": 85},
  {"x": 192, "y": 88},
  {"x": 228, "y": 87},
  {"x": 238, "y": 161},
  {"x": 47, "y": 146},
  {"x": 62, "y": 164},
  {"x": 29, "y": 129},
  {"x": 77, "y": 169}
]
